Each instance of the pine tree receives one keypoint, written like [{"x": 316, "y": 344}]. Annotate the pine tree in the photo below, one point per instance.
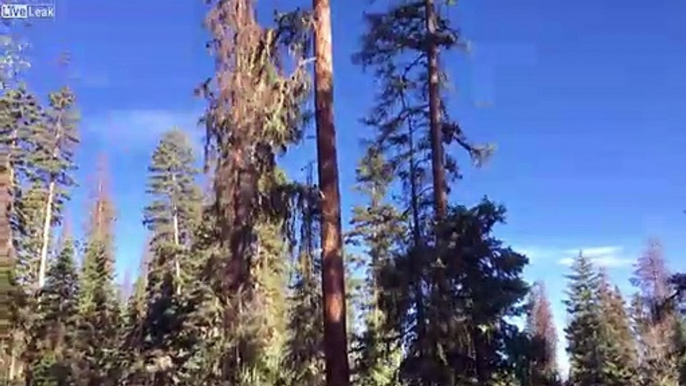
[
  {"x": 175, "y": 206},
  {"x": 408, "y": 131},
  {"x": 161, "y": 321},
  {"x": 98, "y": 305},
  {"x": 204, "y": 314},
  {"x": 133, "y": 319},
  {"x": 400, "y": 45},
  {"x": 620, "y": 362},
  {"x": 171, "y": 217},
  {"x": 595, "y": 331},
  {"x": 583, "y": 330},
  {"x": 268, "y": 317},
  {"x": 55, "y": 332},
  {"x": 380, "y": 229},
  {"x": 303, "y": 356},
  {"x": 655, "y": 326},
  {"x": 478, "y": 289},
  {"x": 21, "y": 116},
  {"x": 254, "y": 115},
  {"x": 56, "y": 161},
  {"x": 541, "y": 331}
]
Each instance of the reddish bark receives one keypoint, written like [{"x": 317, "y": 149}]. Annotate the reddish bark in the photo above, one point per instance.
[
  {"x": 333, "y": 281},
  {"x": 437, "y": 156}
]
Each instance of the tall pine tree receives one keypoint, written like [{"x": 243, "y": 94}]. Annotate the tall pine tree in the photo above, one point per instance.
[
  {"x": 254, "y": 115},
  {"x": 57, "y": 144},
  {"x": 22, "y": 118},
  {"x": 597, "y": 355},
  {"x": 583, "y": 331},
  {"x": 407, "y": 132},
  {"x": 54, "y": 337},
  {"x": 304, "y": 355},
  {"x": 540, "y": 327},
  {"x": 175, "y": 207},
  {"x": 616, "y": 328},
  {"x": 171, "y": 217},
  {"x": 655, "y": 325},
  {"x": 98, "y": 303},
  {"x": 380, "y": 229}
]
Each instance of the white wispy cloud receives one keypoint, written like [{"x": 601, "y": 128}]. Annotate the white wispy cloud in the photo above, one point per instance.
[
  {"x": 609, "y": 256},
  {"x": 139, "y": 129},
  {"x": 536, "y": 252},
  {"x": 603, "y": 256}
]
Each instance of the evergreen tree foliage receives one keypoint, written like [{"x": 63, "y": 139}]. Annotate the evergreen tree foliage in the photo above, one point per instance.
[
  {"x": 54, "y": 162},
  {"x": 132, "y": 334},
  {"x": 204, "y": 313},
  {"x": 395, "y": 47},
  {"x": 156, "y": 313},
  {"x": 582, "y": 332},
  {"x": 540, "y": 342},
  {"x": 254, "y": 115},
  {"x": 380, "y": 229},
  {"x": 22, "y": 117},
  {"x": 175, "y": 207},
  {"x": 24, "y": 125},
  {"x": 655, "y": 325},
  {"x": 161, "y": 323},
  {"x": 98, "y": 306},
  {"x": 597, "y": 354},
  {"x": 479, "y": 288},
  {"x": 54, "y": 334},
  {"x": 303, "y": 354},
  {"x": 617, "y": 335}
]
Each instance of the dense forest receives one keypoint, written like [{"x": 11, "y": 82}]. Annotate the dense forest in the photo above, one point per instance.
[{"x": 246, "y": 280}]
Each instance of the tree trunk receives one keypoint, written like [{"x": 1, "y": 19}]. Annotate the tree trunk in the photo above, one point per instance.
[
  {"x": 13, "y": 148},
  {"x": 48, "y": 213},
  {"x": 417, "y": 240},
  {"x": 177, "y": 242},
  {"x": 333, "y": 273},
  {"x": 177, "y": 264},
  {"x": 46, "y": 235},
  {"x": 437, "y": 158},
  {"x": 6, "y": 262}
]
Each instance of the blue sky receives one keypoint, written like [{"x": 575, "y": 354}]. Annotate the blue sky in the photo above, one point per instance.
[{"x": 583, "y": 99}]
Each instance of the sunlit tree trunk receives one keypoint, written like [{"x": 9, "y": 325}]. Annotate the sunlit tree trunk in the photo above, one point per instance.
[
  {"x": 46, "y": 235},
  {"x": 333, "y": 280},
  {"x": 47, "y": 219},
  {"x": 177, "y": 242}
]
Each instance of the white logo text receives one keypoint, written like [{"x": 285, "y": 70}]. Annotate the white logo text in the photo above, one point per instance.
[{"x": 27, "y": 11}]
